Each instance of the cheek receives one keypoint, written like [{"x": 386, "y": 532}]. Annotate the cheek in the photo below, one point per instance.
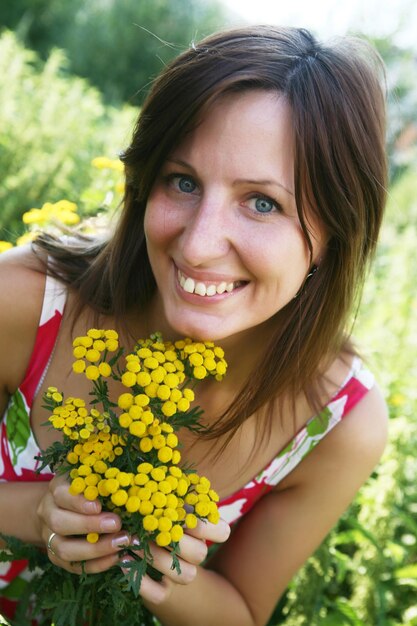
[{"x": 160, "y": 223}]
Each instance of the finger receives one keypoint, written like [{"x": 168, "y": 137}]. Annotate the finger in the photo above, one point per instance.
[
  {"x": 216, "y": 533},
  {"x": 154, "y": 592},
  {"x": 192, "y": 549},
  {"x": 79, "y": 549},
  {"x": 65, "y": 522},
  {"x": 93, "y": 566},
  {"x": 59, "y": 489}
]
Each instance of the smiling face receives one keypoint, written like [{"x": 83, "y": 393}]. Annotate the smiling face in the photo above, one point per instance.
[{"x": 223, "y": 235}]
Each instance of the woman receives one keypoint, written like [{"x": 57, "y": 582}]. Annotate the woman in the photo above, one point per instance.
[{"x": 255, "y": 186}]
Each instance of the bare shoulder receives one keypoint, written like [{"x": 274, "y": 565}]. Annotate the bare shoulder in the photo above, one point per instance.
[
  {"x": 276, "y": 537},
  {"x": 21, "y": 293},
  {"x": 347, "y": 455}
]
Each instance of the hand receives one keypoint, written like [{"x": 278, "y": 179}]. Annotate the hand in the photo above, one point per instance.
[
  {"x": 193, "y": 551},
  {"x": 69, "y": 516}
]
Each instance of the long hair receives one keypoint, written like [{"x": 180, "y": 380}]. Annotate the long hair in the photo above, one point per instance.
[{"x": 338, "y": 114}]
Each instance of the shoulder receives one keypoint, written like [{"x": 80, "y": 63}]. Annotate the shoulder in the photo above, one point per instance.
[
  {"x": 22, "y": 284},
  {"x": 346, "y": 456}
]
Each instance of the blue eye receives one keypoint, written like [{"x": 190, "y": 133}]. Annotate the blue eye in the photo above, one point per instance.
[
  {"x": 186, "y": 184},
  {"x": 264, "y": 205}
]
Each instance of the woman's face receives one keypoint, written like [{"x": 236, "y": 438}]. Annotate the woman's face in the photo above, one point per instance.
[{"x": 223, "y": 235}]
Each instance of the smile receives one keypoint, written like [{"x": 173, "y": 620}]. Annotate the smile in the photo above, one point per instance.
[{"x": 206, "y": 289}]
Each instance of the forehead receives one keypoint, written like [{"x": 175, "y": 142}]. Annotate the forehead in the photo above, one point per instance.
[{"x": 250, "y": 129}]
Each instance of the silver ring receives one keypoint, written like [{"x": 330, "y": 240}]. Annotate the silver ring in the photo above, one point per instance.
[{"x": 49, "y": 544}]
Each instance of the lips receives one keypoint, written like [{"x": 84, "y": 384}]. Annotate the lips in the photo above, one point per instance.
[{"x": 206, "y": 288}]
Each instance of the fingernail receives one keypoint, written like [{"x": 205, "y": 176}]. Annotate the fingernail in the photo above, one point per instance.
[
  {"x": 120, "y": 540},
  {"x": 108, "y": 524},
  {"x": 91, "y": 507}
]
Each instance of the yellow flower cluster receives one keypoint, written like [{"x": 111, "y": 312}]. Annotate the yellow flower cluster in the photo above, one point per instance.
[
  {"x": 128, "y": 457},
  {"x": 205, "y": 359},
  {"x": 104, "y": 163},
  {"x": 91, "y": 349},
  {"x": 63, "y": 211}
]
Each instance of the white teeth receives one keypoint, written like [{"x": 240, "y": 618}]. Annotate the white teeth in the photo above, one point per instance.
[
  {"x": 191, "y": 286},
  {"x": 200, "y": 289}
]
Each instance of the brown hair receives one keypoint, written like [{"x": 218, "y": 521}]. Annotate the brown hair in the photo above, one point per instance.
[{"x": 338, "y": 116}]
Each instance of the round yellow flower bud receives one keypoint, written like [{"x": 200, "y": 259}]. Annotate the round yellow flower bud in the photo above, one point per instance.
[
  {"x": 137, "y": 428},
  {"x": 214, "y": 517},
  {"x": 132, "y": 504},
  {"x": 92, "y": 372},
  {"x": 196, "y": 359},
  {"x": 144, "y": 353},
  {"x": 72, "y": 458},
  {"x": 171, "y": 380},
  {"x": 169, "y": 408},
  {"x": 158, "y": 473},
  {"x": 191, "y": 520},
  {"x": 159, "y": 499},
  {"x": 188, "y": 394},
  {"x": 128, "y": 379},
  {"x": 164, "y": 454},
  {"x": 146, "y": 507},
  {"x": 125, "y": 401},
  {"x": 183, "y": 405},
  {"x": 172, "y": 440},
  {"x": 164, "y": 524},
  {"x": 77, "y": 486},
  {"x": 94, "y": 333},
  {"x": 143, "y": 379},
  {"x": 151, "y": 363},
  {"x": 104, "y": 369},
  {"x": 92, "y": 537},
  {"x": 78, "y": 367},
  {"x": 199, "y": 372},
  {"x": 147, "y": 417},
  {"x": 164, "y": 392},
  {"x": 146, "y": 468},
  {"x": 182, "y": 487},
  {"x": 176, "y": 457},
  {"x": 125, "y": 479},
  {"x": 221, "y": 368},
  {"x": 176, "y": 532},
  {"x": 145, "y": 444},
  {"x": 158, "y": 375},
  {"x": 112, "y": 345},
  {"x": 163, "y": 539},
  {"x": 91, "y": 493},
  {"x": 119, "y": 498},
  {"x": 125, "y": 420},
  {"x": 202, "y": 509},
  {"x": 150, "y": 523},
  {"x": 112, "y": 485},
  {"x": 92, "y": 355}
]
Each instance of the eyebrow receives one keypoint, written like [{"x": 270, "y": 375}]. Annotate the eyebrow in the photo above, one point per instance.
[
  {"x": 238, "y": 181},
  {"x": 250, "y": 181}
]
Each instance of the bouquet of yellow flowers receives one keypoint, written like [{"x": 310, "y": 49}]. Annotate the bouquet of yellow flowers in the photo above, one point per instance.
[{"x": 126, "y": 454}]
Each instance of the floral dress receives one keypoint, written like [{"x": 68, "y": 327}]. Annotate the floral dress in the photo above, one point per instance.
[{"x": 18, "y": 447}]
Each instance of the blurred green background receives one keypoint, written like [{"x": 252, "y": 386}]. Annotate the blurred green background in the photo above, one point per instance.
[{"x": 72, "y": 78}]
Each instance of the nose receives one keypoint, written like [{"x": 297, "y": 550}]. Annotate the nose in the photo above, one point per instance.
[{"x": 207, "y": 236}]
